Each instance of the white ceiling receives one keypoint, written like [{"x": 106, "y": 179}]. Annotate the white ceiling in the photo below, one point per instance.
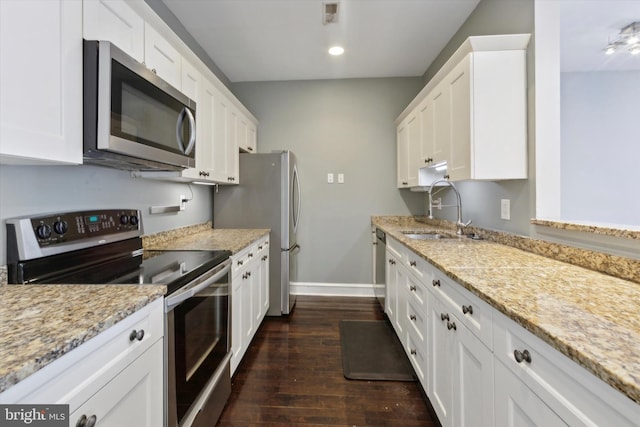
[
  {"x": 263, "y": 40},
  {"x": 586, "y": 26}
]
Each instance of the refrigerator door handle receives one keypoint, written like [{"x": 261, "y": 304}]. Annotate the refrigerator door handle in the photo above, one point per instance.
[
  {"x": 296, "y": 200},
  {"x": 291, "y": 248}
]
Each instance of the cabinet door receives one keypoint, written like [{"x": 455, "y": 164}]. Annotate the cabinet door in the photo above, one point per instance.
[
  {"x": 264, "y": 282},
  {"x": 391, "y": 279},
  {"x": 415, "y": 148},
  {"x": 237, "y": 341},
  {"x": 252, "y": 138},
  {"x": 41, "y": 81},
  {"x": 402, "y": 153},
  {"x": 133, "y": 398},
  {"x": 440, "y": 347},
  {"x": 196, "y": 87},
  {"x": 472, "y": 380},
  {"x": 459, "y": 81},
  {"x": 233, "y": 160},
  {"x": 115, "y": 21},
  {"x": 441, "y": 123},
  {"x": 161, "y": 57},
  {"x": 426, "y": 133},
  {"x": 245, "y": 142},
  {"x": 517, "y": 406}
]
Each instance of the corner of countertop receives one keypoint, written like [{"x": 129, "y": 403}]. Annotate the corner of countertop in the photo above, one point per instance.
[{"x": 161, "y": 237}]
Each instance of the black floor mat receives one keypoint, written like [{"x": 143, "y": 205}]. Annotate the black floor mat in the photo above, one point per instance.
[{"x": 371, "y": 351}]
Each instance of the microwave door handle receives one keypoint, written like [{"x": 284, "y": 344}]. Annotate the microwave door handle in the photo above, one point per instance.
[{"x": 192, "y": 131}]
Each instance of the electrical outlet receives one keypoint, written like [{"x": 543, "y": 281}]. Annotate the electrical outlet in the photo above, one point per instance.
[
  {"x": 340, "y": 178},
  {"x": 505, "y": 209},
  {"x": 183, "y": 202},
  {"x": 329, "y": 178}
]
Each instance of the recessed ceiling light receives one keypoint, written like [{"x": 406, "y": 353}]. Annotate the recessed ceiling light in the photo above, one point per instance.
[{"x": 336, "y": 50}]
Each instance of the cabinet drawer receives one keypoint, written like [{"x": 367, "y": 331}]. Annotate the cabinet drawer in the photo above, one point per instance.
[
  {"x": 468, "y": 308},
  {"x": 418, "y": 356},
  {"x": 417, "y": 293},
  {"x": 395, "y": 247},
  {"x": 262, "y": 247},
  {"x": 417, "y": 322},
  {"x": 578, "y": 396},
  {"x": 240, "y": 260}
]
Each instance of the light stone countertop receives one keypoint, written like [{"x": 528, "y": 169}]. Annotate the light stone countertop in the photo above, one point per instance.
[
  {"x": 205, "y": 238},
  {"x": 590, "y": 317},
  {"x": 40, "y": 323}
]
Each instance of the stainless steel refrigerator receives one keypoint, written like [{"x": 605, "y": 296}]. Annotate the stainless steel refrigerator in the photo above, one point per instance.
[{"x": 268, "y": 196}]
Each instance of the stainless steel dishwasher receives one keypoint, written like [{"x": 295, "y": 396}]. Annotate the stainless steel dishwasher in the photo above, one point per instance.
[{"x": 379, "y": 284}]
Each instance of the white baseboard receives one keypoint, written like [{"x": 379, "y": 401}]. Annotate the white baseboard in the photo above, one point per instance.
[{"x": 333, "y": 289}]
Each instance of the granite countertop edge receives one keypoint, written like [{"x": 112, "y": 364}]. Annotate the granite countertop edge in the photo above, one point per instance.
[
  {"x": 117, "y": 304},
  {"x": 613, "y": 372}
]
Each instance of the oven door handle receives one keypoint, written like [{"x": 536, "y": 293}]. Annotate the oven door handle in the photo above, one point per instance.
[{"x": 193, "y": 288}]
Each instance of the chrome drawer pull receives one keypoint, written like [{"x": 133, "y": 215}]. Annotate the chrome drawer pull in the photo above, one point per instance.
[
  {"x": 412, "y": 263},
  {"x": 444, "y": 316},
  {"x": 467, "y": 309},
  {"x": 412, "y": 288},
  {"x": 435, "y": 282},
  {"x": 451, "y": 325},
  {"x": 412, "y": 317}
]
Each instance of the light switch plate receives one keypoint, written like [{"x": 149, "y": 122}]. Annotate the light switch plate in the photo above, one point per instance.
[
  {"x": 329, "y": 178},
  {"x": 505, "y": 209},
  {"x": 340, "y": 178}
]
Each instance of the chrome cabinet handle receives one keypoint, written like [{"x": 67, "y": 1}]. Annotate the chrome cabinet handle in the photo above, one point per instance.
[
  {"x": 136, "y": 335},
  {"x": 444, "y": 316},
  {"x": 412, "y": 263},
  {"x": 412, "y": 288},
  {"x": 250, "y": 255},
  {"x": 264, "y": 258},
  {"x": 467, "y": 309},
  {"x": 240, "y": 262},
  {"x": 413, "y": 351},
  {"x": 522, "y": 356},
  {"x": 412, "y": 317},
  {"x": 435, "y": 282}
]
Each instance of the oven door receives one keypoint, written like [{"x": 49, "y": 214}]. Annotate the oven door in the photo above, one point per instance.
[{"x": 198, "y": 354}]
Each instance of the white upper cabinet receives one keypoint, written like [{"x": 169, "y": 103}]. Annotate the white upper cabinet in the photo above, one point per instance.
[
  {"x": 473, "y": 113},
  {"x": 161, "y": 57},
  {"x": 41, "y": 82},
  {"x": 114, "y": 21},
  {"x": 402, "y": 155}
]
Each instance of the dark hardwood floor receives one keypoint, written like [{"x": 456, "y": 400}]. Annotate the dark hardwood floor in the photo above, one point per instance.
[{"x": 292, "y": 375}]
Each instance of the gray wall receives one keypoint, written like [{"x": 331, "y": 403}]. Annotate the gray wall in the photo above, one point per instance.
[
  {"x": 31, "y": 190},
  {"x": 481, "y": 200},
  {"x": 339, "y": 126}
]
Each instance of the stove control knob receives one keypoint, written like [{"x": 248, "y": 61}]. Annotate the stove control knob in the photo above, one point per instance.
[
  {"x": 124, "y": 219},
  {"x": 43, "y": 231},
  {"x": 60, "y": 227},
  {"x": 133, "y": 220}
]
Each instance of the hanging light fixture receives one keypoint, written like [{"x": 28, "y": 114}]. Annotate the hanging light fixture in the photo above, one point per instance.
[{"x": 628, "y": 36}]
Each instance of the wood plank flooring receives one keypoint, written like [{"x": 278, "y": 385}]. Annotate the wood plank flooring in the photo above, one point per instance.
[{"x": 292, "y": 375}]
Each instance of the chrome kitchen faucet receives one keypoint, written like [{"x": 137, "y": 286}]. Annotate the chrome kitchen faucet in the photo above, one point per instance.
[{"x": 459, "y": 223}]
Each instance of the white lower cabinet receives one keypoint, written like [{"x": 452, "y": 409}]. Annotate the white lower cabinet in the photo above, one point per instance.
[
  {"x": 479, "y": 367},
  {"x": 132, "y": 397},
  {"x": 517, "y": 406},
  {"x": 115, "y": 377},
  {"x": 249, "y": 288}
]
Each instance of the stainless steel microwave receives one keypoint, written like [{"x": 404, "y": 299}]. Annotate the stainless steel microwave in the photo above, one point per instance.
[{"x": 133, "y": 119}]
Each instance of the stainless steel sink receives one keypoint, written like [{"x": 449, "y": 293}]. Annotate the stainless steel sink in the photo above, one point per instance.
[{"x": 429, "y": 235}]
